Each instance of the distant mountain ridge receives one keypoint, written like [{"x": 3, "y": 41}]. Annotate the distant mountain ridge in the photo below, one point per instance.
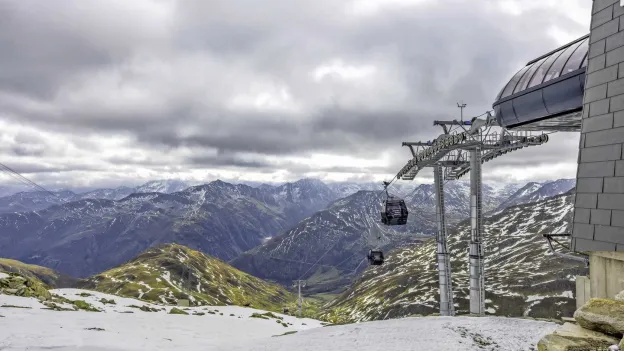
[
  {"x": 224, "y": 220},
  {"x": 221, "y": 219},
  {"x": 533, "y": 192},
  {"x": 39, "y": 200}
]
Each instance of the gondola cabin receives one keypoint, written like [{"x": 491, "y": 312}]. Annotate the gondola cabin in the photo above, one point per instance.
[
  {"x": 375, "y": 258},
  {"x": 394, "y": 212}
]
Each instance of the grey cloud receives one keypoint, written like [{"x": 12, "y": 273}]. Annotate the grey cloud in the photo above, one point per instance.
[
  {"x": 439, "y": 54},
  {"x": 28, "y": 150},
  {"x": 38, "y": 52},
  {"x": 25, "y": 167},
  {"x": 229, "y": 160}
]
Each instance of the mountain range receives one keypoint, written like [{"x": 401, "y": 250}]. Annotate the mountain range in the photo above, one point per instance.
[
  {"x": 337, "y": 238},
  {"x": 522, "y": 277},
  {"x": 229, "y": 221},
  {"x": 302, "y": 230},
  {"x": 221, "y": 219},
  {"x": 12, "y": 201}
]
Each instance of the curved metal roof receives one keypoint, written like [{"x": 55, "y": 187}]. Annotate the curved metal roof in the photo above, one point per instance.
[
  {"x": 566, "y": 59},
  {"x": 548, "y": 86}
]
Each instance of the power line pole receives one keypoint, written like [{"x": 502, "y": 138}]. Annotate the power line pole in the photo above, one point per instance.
[{"x": 300, "y": 284}]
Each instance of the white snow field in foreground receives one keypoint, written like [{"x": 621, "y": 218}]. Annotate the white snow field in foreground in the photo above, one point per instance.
[
  {"x": 421, "y": 333},
  {"x": 39, "y": 329}
]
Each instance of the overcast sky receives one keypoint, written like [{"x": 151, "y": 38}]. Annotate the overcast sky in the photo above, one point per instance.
[{"x": 102, "y": 93}]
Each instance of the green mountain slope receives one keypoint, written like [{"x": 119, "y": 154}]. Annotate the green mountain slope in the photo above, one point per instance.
[
  {"x": 170, "y": 272},
  {"x": 522, "y": 277},
  {"x": 48, "y": 276}
]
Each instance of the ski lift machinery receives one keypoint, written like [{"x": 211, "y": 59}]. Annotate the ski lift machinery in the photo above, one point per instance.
[
  {"x": 375, "y": 257},
  {"x": 393, "y": 212},
  {"x": 394, "y": 209}
]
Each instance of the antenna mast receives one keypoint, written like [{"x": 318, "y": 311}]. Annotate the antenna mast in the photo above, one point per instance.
[{"x": 461, "y": 109}]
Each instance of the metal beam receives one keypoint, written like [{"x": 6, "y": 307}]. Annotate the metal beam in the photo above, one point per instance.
[
  {"x": 477, "y": 291},
  {"x": 451, "y": 123},
  {"x": 416, "y": 143},
  {"x": 447, "y": 307}
]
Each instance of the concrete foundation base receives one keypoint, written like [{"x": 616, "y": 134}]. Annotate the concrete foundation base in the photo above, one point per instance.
[
  {"x": 583, "y": 290},
  {"x": 606, "y": 277},
  {"x": 606, "y": 273}
]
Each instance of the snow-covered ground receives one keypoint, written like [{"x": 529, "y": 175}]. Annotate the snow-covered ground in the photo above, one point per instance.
[
  {"x": 424, "y": 333},
  {"x": 231, "y": 328}
]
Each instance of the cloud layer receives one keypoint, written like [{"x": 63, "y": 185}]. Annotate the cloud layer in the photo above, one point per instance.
[{"x": 117, "y": 92}]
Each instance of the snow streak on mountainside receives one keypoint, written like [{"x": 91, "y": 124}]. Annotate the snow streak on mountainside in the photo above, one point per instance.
[
  {"x": 107, "y": 194},
  {"x": 457, "y": 198},
  {"x": 34, "y": 201},
  {"x": 167, "y": 273},
  {"x": 533, "y": 192},
  {"x": 162, "y": 186},
  {"x": 522, "y": 276},
  {"x": 345, "y": 189},
  {"x": 38, "y": 200},
  {"x": 221, "y": 219}
]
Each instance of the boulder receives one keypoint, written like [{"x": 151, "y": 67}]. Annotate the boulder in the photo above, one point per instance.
[
  {"x": 20, "y": 286},
  {"x": 602, "y": 315},
  {"x": 620, "y": 296},
  {"x": 571, "y": 337}
]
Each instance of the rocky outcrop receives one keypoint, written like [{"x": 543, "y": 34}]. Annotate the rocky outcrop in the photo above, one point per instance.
[
  {"x": 602, "y": 315},
  {"x": 600, "y": 327},
  {"x": 570, "y": 337},
  {"x": 15, "y": 284},
  {"x": 620, "y": 296}
]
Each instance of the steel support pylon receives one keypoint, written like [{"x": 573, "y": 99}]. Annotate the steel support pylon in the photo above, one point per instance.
[
  {"x": 447, "y": 307},
  {"x": 477, "y": 286}
]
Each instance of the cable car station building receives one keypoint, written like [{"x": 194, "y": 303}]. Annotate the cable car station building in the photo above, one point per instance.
[{"x": 580, "y": 87}]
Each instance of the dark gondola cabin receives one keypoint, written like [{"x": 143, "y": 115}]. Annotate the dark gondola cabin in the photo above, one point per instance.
[
  {"x": 375, "y": 258},
  {"x": 394, "y": 212}
]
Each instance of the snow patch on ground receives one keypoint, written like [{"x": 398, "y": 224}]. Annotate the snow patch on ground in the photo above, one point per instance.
[
  {"x": 425, "y": 333},
  {"x": 231, "y": 328},
  {"x": 3, "y": 275}
]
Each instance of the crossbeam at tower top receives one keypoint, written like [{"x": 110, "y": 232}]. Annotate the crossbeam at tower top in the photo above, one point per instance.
[{"x": 447, "y": 147}]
